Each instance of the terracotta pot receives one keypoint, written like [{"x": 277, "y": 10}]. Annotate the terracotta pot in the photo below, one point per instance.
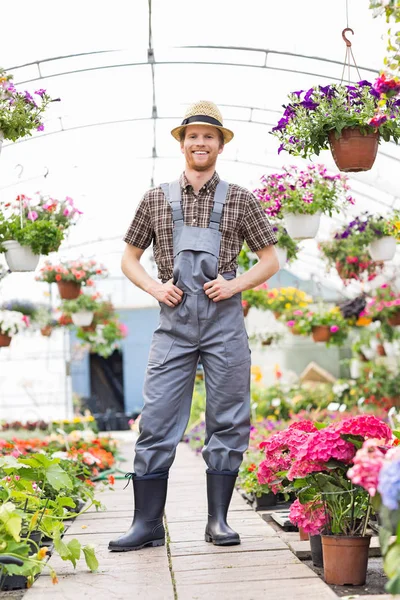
[
  {"x": 345, "y": 559},
  {"x": 381, "y": 350},
  {"x": 46, "y": 330},
  {"x": 304, "y": 537},
  {"x": 246, "y": 310},
  {"x": 394, "y": 320},
  {"x": 68, "y": 290},
  {"x": 294, "y": 331},
  {"x": 321, "y": 333},
  {"x": 395, "y": 401},
  {"x": 354, "y": 152},
  {"x": 277, "y": 314},
  {"x": 5, "y": 340},
  {"x": 91, "y": 327}
]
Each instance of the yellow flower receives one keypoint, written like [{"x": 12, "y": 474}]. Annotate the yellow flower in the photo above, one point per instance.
[
  {"x": 352, "y": 392},
  {"x": 288, "y": 305},
  {"x": 256, "y": 372}
]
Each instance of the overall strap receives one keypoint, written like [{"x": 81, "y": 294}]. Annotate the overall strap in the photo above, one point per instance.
[
  {"x": 172, "y": 192},
  {"x": 221, "y": 193}
]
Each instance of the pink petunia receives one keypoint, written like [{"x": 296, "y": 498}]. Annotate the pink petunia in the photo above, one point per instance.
[
  {"x": 32, "y": 215},
  {"x": 333, "y": 328}
]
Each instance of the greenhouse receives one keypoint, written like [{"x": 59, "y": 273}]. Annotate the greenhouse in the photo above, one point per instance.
[{"x": 200, "y": 300}]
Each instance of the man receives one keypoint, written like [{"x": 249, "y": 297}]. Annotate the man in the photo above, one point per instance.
[{"x": 198, "y": 225}]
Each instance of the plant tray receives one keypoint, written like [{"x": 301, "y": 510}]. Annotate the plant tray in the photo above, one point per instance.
[{"x": 282, "y": 518}]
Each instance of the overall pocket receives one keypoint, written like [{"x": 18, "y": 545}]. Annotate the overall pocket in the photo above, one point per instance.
[{"x": 160, "y": 349}]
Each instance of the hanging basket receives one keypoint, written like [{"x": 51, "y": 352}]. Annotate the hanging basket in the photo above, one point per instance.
[
  {"x": 46, "y": 330},
  {"x": 20, "y": 258},
  {"x": 345, "y": 559},
  {"x": 394, "y": 320},
  {"x": 383, "y": 249},
  {"x": 5, "y": 340},
  {"x": 282, "y": 256},
  {"x": 68, "y": 290},
  {"x": 302, "y": 227},
  {"x": 82, "y": 318},
  {"x": 321, "y": 333},
  {"x": 353, "y": 151}
]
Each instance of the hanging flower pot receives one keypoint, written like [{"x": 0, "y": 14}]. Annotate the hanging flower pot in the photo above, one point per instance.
[
  {"x": 82, "y": 318},
  {"x": 394, "y": 320},
  {"x": 5, "y": 340},
  {"x": 345, "y": 559},
  {"x": 383, "y": 249},
  {"x": 321, "y": 333},
  {"x": 353, "y": 151},
  {"x": 91, "y": 327},
  {"x": 46, "y": 330},
  {"x": 20, "y": 258},
  {"x": 301, "y": 227},
  {"x": 282, "y": 256},
  {"x": 68, "y": 290}
]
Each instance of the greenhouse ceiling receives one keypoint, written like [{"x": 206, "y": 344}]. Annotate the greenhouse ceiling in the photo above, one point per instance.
[{"x": 126, "y": 71}]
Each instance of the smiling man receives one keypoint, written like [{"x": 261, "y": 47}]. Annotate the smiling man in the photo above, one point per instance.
[{"x": 197, "y": 225}]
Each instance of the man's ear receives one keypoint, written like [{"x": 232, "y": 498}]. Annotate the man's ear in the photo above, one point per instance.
[{"x": 221, "y": 148}]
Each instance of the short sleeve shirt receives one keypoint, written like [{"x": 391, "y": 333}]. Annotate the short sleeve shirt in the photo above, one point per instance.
[{"x": 243, "y": 219}]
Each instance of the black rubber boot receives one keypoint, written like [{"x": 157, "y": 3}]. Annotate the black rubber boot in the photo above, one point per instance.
[
  {"x": 147, "y": 527},
  {"x": 219, "y": 494}
]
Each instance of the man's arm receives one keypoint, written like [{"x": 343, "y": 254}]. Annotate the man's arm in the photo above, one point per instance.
[
  {"x": 131, "y": 267},
  {"x": 268, "y": 265}
]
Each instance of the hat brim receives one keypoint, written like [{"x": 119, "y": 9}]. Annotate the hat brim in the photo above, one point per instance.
[{"x": 227, "y": 133}]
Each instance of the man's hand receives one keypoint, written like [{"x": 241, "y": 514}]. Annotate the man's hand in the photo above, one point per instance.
[
  {"x": 167, "y": 293},
  {"x": 219, "y": 289}
]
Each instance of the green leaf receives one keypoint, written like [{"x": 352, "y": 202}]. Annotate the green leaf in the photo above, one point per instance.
[
  {"x": 11, "y": 520},
  {"x": 320, "y": 425},
  {"x": 384, "y": 539},
  {"x": 58, "y": 478},
  {"x": 90, "y": 557},
  {"x": 61, "y": 548},
  {"x": 356, "y": 440},
  {"x": 392, "y": 561},
  {"x": 10, "y": 462},
  {"x": 75, "y": 551},
  {"x": 65, "y": 501},
  {"x": 396, "y": 434},
  {"x": 393, "y": 586}
]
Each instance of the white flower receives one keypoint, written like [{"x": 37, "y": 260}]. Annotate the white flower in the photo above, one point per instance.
[
  {"x": 12, "y": 321},
  {"x": 276, "y": 402}
]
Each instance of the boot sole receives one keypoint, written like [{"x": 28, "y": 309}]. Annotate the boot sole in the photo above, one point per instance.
[
  {"x": 227, "y": 542},
  {"x": 152, "y": 544}
]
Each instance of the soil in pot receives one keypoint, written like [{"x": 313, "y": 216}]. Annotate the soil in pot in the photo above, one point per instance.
[
  {"x": 265, "y": 501},
  {"x": 321, "y": 333},
  {"x": 5, "y": 340},
  {"x": 345, "y": 559},
  {"x": 316, "y": 550},
  {"x": 68, "y": 290},
  {"x": 354, "y": 152}
]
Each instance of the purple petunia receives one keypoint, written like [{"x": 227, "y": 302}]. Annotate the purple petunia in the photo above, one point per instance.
[
  {"x": 309, "y": 104},
  {"x": 40, "y": 93}
]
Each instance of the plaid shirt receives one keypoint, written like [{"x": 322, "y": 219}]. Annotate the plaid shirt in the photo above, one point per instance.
[{"x": 242, "y": 219}]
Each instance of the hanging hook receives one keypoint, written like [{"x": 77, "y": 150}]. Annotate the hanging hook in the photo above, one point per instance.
[
  {"x": 21, "y": 170},
  {"x": 46, "y": 172},
  {"x": 348, "y": 42}
]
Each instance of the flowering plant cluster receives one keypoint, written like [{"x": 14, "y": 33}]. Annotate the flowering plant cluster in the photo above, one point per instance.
[
  {"x": 63, "y": 213},
  {"x": 377, "y": 469},
  {"x": 310, "y": 116},
  {"x": 285, "y": 241},
  {"x": 84, "y": 302},
  {"x": 303, "y": 322},
  {"x": 303, "y": 192},
  {"x": 310, "y": 517},
  {"x": 379, "y": 386},
  {"x": 41, "y": 236},
  {"x": 106, "y": 338},
  {"x": 283, "y": 299},
  {"x": 77, "y": 271},
  {"x": 348, "y": 250},
  {"x": 256, "y": 297},
  {"x": 20, "y": 113},
  {"x": 12, "y": 322},
  {"x": 248, "y": 479},
  {"x": 383, "y": 305}
]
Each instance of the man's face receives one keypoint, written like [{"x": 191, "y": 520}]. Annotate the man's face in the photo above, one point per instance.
[{"x": 201, "y": 147}]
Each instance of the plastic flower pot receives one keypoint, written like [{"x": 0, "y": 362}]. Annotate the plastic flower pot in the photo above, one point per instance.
[
  {"x": 282, "y": 256},
  {"x": 33, "y": 540},
  {"x": 46, "y": 330},
  {"x": 321, "y": 333},
  {"x": 316, "y": 550},
  {"x": 394, "y": 320},
  {"x": 265, "y": 501},
  {"x": 353, "y": 151},
  {"x": 302, "y": 227},
  {"x": 304, "y": 537},
  {"x": 68, "y": 290},
  {"x": 383, "y": 249},
  {"x": 345, "y": 559},
  {"x": 13, "y": 582},
  {"x": 20, "y": 258},
  {"x": 5, "y": 340},
  {"x": 83, "y": 318}
]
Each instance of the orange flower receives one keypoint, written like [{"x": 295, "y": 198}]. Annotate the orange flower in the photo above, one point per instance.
[
  {"x": 252, "y": 467},
  {"x": 42, "y": 553},
  {"x": 58, "y": 277},
  {"x": 111, "y": 479},
  {"x": 363, "y": 321},
  {"x": 54, "y": 579},
  {"x": 88, "y": 482}
]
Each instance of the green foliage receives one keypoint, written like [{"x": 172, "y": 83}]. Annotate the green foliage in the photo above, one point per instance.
[
  {"x": 83, "y": 302},
  {"x": 42, "y": 237}
]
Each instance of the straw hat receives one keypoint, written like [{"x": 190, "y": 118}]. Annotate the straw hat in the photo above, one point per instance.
[{"x": 203, "y": 113}]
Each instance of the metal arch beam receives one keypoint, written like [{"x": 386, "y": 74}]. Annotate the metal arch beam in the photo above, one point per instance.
[{"x": 138, "y": 119}]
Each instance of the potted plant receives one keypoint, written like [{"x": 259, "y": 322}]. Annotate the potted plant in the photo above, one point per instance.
[
  {"x": 384, "y": 306},
  {"x": 301, "y": 196},
  {"x": 379, "y": 385},
  {"x": 280, "y": 300},
  {"x": 348, "y": 252},
  {"x": 329, "y": 327},
  {"x": 106, "y": 338},
  {"x": 71, "y": 275},
  {"x": 381, "y": 235},
  {"x": 82, "y": 309},
  {"x": 256, "y": 297},
  {"x": 20, "y": 112},
  {"x": 286, "y": 247},
  {"x": 342, "y": 117},
  {"x": 248, "y": 482},
  {"x": 11, "y": 322}
]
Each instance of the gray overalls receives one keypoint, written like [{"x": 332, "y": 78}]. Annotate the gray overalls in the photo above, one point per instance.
[{"x": 197, "y": 327}]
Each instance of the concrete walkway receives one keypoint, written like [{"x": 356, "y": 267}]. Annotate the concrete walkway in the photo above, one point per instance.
[{"x": 187, "y": 568}]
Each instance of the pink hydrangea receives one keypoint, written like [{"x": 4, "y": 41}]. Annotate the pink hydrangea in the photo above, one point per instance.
[
  {"x": 368, "y": 462},
  {"x": 366, "y": 426},
  {"x": 310, "y": 517},
  {"x": 323, "y": 445},
  {"x": 305, "y": 425}
]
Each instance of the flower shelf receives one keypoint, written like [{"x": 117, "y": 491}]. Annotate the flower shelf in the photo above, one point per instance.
[{"x": 352, "y": 151}]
